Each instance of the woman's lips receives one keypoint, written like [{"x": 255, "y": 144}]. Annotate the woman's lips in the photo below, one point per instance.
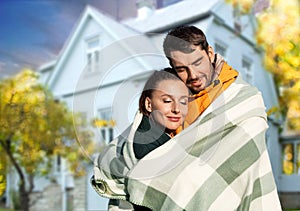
[{"x": 174, "y": 119}]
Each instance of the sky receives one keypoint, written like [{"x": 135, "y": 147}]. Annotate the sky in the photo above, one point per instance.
[{"x": 33, "y": 31}]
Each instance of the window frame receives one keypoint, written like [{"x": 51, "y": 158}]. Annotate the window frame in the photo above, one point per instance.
[
  {"x": 295, "y": 156},
  {"x": 93, "y": 45},
  {"x": 223, "y": 48},
  {"x": 249, "y": 76},
  {"x": 106, "y": 132}
]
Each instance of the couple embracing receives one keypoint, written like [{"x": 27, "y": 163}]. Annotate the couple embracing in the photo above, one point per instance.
[{"x": 197, "y": 142}]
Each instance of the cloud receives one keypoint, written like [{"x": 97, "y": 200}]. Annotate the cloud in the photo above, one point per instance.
[
  {"x": 33, "y": 35},
  {"x": 2, "y": 66},
  {"x": 7, "y": 69},
  {"x": 34, "y": 31},
  {"x": 23, "y": 58}
]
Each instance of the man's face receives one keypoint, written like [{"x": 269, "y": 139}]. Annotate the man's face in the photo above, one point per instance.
[{"x": 195, "y": 69}]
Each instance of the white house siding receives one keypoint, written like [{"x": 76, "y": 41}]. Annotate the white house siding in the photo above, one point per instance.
[
  {"x": 274, "y": 150},
  {"x": 74, "y": 65}
]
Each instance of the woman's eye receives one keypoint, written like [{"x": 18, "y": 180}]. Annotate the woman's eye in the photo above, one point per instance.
[
  {"x": 167, "y": 100},
  {"x": 183, "y": 102}
]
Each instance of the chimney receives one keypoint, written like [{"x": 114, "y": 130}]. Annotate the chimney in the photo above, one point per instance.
[{"x": 144, "y": 8}]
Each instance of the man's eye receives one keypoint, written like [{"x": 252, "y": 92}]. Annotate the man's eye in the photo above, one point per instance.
[
  {"x": 180, "y": 70},
  {"x": 197, "y": 63}
]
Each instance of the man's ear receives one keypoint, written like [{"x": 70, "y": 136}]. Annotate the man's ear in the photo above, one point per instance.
[
  {"x": 148, "y": 104},
  {"x": 211, "y": 53}
]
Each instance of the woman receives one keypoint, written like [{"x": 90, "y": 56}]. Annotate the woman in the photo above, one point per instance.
[{"x": 163, "y": 106}]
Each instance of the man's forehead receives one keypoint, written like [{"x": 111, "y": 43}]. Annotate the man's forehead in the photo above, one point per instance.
[{"x": 179, "y": 57}]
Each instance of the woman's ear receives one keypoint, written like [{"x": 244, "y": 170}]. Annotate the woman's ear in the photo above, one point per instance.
[{"x": 148, "y": 105}]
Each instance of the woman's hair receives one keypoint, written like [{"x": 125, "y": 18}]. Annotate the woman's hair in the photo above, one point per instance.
[
  {"x": 152, "y": 83},
  {"x": 183, "y": 38}
]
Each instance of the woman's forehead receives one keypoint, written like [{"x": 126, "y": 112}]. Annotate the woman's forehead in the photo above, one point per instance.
[{"x": 172, "y": 87}]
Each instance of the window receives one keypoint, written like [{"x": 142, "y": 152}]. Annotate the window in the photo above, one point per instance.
[
  {"x": 96, "y": 60},
  {"x": 220, "y": 48},
  {"x": 247, "y": 68},
  {"x": 93, "y": 43},
  {"x": 291, "y": 158},
  {"x": 93, "y": 54},
  {"x": 57, "y": 164},
  {"x": 107, "y": 129}
]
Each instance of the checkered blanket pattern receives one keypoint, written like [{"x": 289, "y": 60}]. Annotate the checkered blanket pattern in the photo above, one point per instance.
[{"x": 220, "y": 162}]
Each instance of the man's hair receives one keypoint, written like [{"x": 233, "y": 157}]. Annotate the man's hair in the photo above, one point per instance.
[
  {"x": 183, "y": 38},
  {"x": 152, "y": 83}
]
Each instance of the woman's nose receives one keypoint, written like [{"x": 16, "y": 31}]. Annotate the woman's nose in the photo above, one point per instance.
[{"x": 175, "y": 108}]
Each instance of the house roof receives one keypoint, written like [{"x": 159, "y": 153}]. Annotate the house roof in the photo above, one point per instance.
[
  {"x": 176, "y": 14},
  {"x": 116, "y": 30},
  {"x": 171, "y": 15},
  {"x": 47, "y": 66},
  {"x": 160, "y": 20}
]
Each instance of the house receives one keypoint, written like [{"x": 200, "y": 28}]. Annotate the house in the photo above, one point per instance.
[{"x": 103, "y": 65}]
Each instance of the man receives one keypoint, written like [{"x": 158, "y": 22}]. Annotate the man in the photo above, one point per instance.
[
  {"x": 219, "y": 91},
  {"x": 196, "y": 64}
]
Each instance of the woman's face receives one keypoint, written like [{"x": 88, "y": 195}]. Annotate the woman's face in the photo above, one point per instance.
[{"x": 168, "y": 105}]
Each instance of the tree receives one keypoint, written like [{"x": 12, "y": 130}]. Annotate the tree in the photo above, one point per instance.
[
  {"x": 278, "y": 33},
  {"x": 34, "y": 127}
]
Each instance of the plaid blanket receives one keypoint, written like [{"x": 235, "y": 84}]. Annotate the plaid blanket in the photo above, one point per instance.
[{"x": 219, "y": 162}]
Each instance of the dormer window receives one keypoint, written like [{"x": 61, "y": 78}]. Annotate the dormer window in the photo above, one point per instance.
[{"x": 93, "y": 54}]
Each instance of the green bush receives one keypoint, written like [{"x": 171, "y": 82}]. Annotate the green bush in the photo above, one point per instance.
[{"x": 15, "y": 200}]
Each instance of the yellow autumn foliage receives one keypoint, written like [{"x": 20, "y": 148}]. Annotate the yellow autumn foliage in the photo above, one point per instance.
[
  {"x": 278, "y": 33},
  {"x": 34, "y": 126},
  {"x": 244, "y": 5},
  {"x": 103, "y": 123}
]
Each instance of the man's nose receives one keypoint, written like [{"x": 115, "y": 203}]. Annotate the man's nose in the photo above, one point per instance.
[{"x": 191, "y": 73}]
